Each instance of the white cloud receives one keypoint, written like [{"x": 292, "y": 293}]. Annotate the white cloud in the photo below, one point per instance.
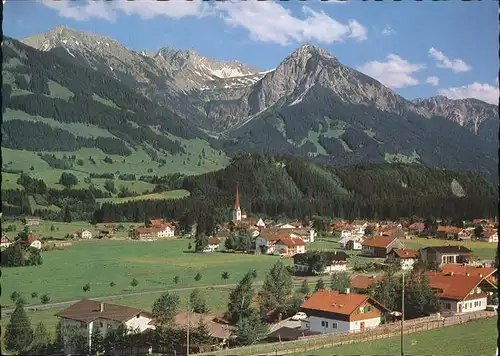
[
  {"x": 456, "y": 65},
  {"x": 85, "y": 10},
  {"x": 394, "y": 73},
  {"x": 484, "y": 92},
  {"x": 432, "y": 81},
  {"x": 387, "y": 31},
  {"x": 270, "y": 22},
  {"x": 265, "y": 21}
]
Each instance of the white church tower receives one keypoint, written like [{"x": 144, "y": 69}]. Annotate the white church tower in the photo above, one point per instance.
[{"x": 237, "y": 209}]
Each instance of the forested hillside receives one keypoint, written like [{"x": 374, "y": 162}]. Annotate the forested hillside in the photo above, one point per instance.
[
  {"x": 298, "y": 188},
  {"x": 48, "y": 88}
]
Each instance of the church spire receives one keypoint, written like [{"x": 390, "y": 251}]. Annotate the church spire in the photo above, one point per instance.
[{"x": 237, "y": 203}]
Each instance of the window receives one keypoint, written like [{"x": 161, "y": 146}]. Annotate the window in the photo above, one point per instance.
[
  {"x": 324, "y": 324},
  {"x": 368, "y": 309},
  {"x": 334, "y": 325},
  {"x": 448, "y": 305},
  {"x": 465, "y": 306},
  {"x": 101, "y": 324}
]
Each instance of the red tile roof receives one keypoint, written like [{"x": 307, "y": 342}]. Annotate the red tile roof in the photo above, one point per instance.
[
  {"x": 364, "y": 282},
  {"x": 378, "y": 242},
  {"x": 454, "y": 287},
  {"x": 291, "y": 241},
  {"x": 463, "y": 270},
  {"x": 213, "y": 241},
  {"x": 335, "y": 302},
  {"x": 405, "y": 253}
]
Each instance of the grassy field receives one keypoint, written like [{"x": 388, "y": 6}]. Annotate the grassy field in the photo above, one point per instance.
[
  {"x": 154, "y": 264},
  {"x": 173, "y": 194},
  {"x": 484, "y": 250},
  {"x": 477, "y": 338},
  {"x": 58, "y": 230}
]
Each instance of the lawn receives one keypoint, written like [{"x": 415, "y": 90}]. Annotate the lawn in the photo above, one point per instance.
[
  {"x": 476, "y": 338},
  {"x": 100, "y": 262},
  {"x": 172, "y": 194}
]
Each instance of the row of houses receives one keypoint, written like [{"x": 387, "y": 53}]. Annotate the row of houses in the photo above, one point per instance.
[
  {"x": 32, "y": 241},
  {"x": 88, "y": 316}
]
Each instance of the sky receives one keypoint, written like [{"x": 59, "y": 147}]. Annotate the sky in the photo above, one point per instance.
[{"x": 417, "y": 48}]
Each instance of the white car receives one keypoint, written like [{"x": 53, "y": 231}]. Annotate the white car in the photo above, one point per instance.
[{"x": 299, "y": 316}]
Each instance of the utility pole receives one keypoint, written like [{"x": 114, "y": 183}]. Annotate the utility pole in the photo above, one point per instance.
[
  {"x": 187, "y": 329},
  {"x": 402, "y": 315}
]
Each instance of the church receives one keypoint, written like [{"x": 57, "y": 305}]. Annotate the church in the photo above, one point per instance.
[{"x": 238, "y": 215}]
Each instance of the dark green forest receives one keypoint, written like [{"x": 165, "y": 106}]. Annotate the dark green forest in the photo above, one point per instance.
[{"x": 298, "y": 188}]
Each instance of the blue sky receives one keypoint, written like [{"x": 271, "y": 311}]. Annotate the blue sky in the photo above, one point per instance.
[{"x": 419, "y": 49}]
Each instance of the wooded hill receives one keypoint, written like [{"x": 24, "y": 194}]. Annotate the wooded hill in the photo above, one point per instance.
[
  {"x": 298, "y": 188},
  {"x": 45, "y": 85}
]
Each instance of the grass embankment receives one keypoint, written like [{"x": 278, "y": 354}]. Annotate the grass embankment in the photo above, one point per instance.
[{"x": 476, "y": 338}]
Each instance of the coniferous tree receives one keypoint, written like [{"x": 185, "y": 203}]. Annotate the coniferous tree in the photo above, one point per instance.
[
  {"x": 320, "y": 285},
  {"x": 18, "y": 334},
  {"x": 276, "y": 289},
  {"x": 240, "y": 299}
]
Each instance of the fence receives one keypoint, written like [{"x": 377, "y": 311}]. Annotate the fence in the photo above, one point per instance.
[{"x": 325, "y": 341}]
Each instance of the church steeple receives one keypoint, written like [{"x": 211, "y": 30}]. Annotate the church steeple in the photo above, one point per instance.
[{"x": 237, "y": 209}]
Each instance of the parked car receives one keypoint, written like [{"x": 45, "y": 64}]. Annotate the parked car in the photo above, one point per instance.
[{"x": 299, "y": 316}]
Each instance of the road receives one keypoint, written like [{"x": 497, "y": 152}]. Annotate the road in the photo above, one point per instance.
[{"x": 108, "y": 297}]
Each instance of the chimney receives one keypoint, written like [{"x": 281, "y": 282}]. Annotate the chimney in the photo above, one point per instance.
[
  {"x": 480, "y": 275},
  {"x": 347, "y": 290},
  {"x": 101, "y": 307},
  {"x": 467, "y": 274}
]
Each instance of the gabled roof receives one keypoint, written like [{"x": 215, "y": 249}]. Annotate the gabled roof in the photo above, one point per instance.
[
  {"x": 378, "y": 242},
  {"x": 448, "y": 249},
  {"x": 464, "y": 269},
  {"x": 405, "y": 253},
  {"x": 213, "y": 241},
  {"x": 335, "y": 302},
  {"x": 364, "y": 282},
  {"x": 417, "y": 226},
  {"x": 454, "y": 287},
  {"x": 87, "y": 310},
  {"x": 291, "y": 241}
]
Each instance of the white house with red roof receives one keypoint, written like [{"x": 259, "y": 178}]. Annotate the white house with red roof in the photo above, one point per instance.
[
  {"x": 405, "y": 256},
  {"x": 460, "y": 293},
  {"x": 331, "y": 311},
  {"x": 213, "y": 244},
  {"x": 489, "y": 235},
  {"x": 5, "y": 241},
  {"x": 290, "y": 246}
]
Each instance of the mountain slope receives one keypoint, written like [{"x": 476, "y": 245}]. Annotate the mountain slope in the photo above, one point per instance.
[
  {"x": 297, "y": 187},
  {"x": 61, "y": 106},
  {"x": 476, "y": 115}
]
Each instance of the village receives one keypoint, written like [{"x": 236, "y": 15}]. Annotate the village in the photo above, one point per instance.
[{"x": 463, "y": 282}]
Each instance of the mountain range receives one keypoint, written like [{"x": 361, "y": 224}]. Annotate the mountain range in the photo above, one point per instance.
[{"x": 309, "y": 105}]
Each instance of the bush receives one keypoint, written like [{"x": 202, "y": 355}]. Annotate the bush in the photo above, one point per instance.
[
  {"x": 225, "y": 275},
  {"x": 34, "y": 295},
  {"x": 45, "y": 298},
  {"x": 112, "y": 284},
  {"x": 134, "y": 282},
  {"x": 197, "y": 277},
  {"x": 86, "y": 287}
]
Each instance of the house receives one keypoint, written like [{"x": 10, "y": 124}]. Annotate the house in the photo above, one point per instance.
[
  {"x": 83, "y": 234},
  {"x": 459, "y": 293},
  {"x": 441, "y": 255},
  {"x": 308, "y": 235},
  {"x": 33, "y": 241},
  {"x": 5, "y": 241},
  {"x": 416, "y": 228},
  {"x": 331, "y": 311},
  {"x": 261, "y": 224},
  {"x": 406, "y": 257},
  {"x": 379, "y": 246},
  {"x": 465, "y": 234},
  {"x": 106, "y": 233},
  {"x": 448, "y": 232},
  {"x": 212, "y": 245},
  {"x": 352, "y": 242},
  {"x": 336, "y": 261},
  {"x": 86, "y": 316},
  {"x": 489, "y": 236},
  {"x": 488, "y": 273},
  {"x": 219, "y": 330},
  {"x": 290, "y": 246},
  {"x": 265, "y": 242},
  {"x": 163, "y": 229},
  {"x": 31, "y": 220},
  {"x": 152, "y": 233},
  {"x": 361, "y": 284}
]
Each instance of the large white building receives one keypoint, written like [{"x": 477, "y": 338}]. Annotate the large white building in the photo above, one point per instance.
[
  {"x": 86, "y": 316},
  {"x": 330, "y": 312}
]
